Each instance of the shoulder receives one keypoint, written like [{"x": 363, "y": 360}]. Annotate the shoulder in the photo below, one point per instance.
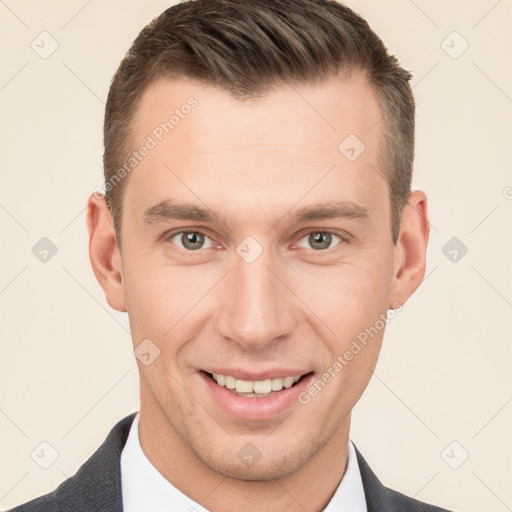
[
  {"x": 402, "y": 503},
  {"x": 382, "y": 499},
  {"x": 96, "y": 486}
]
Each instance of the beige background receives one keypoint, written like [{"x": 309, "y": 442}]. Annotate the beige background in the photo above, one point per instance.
[{"x": 67, "y": 369}]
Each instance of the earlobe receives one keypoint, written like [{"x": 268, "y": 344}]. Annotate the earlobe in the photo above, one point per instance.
[
  {"x": 411, "y": 248},
  {"x": 104, "y": 251}
]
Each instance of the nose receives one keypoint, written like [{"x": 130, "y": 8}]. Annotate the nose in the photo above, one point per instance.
[{"x": 257, "y": 307}]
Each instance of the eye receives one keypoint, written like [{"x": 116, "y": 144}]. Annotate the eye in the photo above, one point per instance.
[
  {"x": 190, "y": 240},
  {"x": 320, "y": 240}
]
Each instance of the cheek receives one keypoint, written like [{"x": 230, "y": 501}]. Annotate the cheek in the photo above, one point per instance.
[
  {"x": 150, "y": 299},
  {"x": 347, "y": 298},
  {"x": 161, "y": 299}
]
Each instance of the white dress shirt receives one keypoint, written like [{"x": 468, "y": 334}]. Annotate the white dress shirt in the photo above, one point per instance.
[{"x": 144, "y": 489}]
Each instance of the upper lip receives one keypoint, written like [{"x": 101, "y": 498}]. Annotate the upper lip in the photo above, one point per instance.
[{"x": 241, "y": 374}]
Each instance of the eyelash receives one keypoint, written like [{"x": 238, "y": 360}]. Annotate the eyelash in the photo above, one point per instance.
[{"x": 168, "y": 236}]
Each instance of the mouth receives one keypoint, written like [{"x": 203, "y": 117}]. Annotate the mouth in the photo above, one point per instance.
[
  {"x": 262, "y": 388},
  {"x": 255, "y": 396}
]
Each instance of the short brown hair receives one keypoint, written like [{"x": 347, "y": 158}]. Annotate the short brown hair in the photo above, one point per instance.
[{"x": 248, "y": 46}]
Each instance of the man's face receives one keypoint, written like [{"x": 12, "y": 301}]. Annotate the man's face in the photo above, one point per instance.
[{"x": 254, "y": 292}]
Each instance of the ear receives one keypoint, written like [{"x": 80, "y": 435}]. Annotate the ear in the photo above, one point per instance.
[
  {"x": 411, "y": 248},
  {"x": 104, "y": 251}
]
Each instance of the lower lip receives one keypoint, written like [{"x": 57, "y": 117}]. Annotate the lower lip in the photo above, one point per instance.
[{"x": 253, "y": 409}]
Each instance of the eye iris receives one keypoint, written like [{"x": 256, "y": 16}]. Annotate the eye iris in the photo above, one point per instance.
[
  {"x": 324, "y": 239},
  {"x": 195, "y": 239}
]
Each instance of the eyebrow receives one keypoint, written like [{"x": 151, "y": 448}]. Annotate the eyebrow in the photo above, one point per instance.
[{"x": 169, "y": 210}]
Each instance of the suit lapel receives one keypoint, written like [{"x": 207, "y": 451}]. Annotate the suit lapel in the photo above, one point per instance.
[
  {"x": 375, "y": 492},
  {"x": 97, "y": 484}
]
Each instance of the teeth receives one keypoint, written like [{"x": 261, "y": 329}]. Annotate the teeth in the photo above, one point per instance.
[
  {"x": 244, "y": 386},
  {"x": 262, "y": 386},
  {"x": 259, "y": 386},
  {"x": 277, "y": 384},
  {"x": 230, "y": 381},
  {"x": 288, "y": 381}
]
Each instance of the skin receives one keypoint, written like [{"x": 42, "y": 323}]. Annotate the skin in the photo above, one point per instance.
[{"x": 252, "y": 163}]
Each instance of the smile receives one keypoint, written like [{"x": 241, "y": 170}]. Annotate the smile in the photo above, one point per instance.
[
  {"x": 256, "y": 388},
  {"x": 255, "y": 395}
]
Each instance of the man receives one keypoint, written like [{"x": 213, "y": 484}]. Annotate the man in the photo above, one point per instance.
[{"x": 258, "y": 219}]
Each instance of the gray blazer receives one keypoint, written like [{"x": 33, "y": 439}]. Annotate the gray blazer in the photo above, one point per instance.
[{"x": 96, "y": 486}]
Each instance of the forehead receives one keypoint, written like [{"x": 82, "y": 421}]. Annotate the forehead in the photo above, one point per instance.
[
  {"x": 331, "y": 108},
  {"x": 319, "y": 141}
]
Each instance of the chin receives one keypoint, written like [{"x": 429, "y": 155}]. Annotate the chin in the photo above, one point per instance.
[{"x": 261, "y": 467}]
